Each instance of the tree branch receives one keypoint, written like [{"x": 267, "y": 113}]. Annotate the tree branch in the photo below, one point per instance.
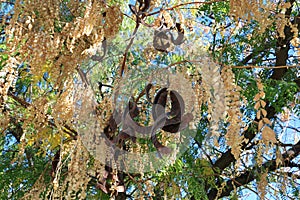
[
  {"x": 253, "y": 174},
  {"x": 283, "y": 47},
  {"x": 283, "y": 44}
]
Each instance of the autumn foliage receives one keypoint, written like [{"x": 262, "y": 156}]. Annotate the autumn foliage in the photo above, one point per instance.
[{"x": 156, "y": 100}]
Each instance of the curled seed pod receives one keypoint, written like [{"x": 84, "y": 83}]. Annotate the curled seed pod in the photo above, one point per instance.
[{"x": 159, "y": 103}]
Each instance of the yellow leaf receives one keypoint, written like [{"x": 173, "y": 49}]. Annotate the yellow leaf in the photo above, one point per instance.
[
  {"x": 55, "y": 140},
  {"x": 262, "y": 103},
  {"x": 267, "y": 121},
  {"x": 268, "y": 135},
  {"x": 260, "y": 125},
  {"x": 262, "y": 94},
  {"x": 286, "y": 5},
  {"x": 279, "y": 157},
  {"x": 257, "y": 105},
  {"x": 157, "y": 22},
  {"x": 256, "y": 97},
  {"x": 168, "y": 19},
  {"x": 258, "y": 114},
  {"x": 30, "y": 142},
  {"x": 264, "y": 112}
]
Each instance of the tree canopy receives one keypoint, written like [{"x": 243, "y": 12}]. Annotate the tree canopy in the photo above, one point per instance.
[{"x": 150, "y": 99}]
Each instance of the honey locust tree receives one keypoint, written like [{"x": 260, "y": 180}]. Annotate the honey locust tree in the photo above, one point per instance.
[{"x": 210, "y": 89}]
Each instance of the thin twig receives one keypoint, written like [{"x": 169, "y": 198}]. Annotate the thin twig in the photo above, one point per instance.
[
  {"x": 123, "y": 67},
  {"x": 185, "y": 4},
  {"x": 238, "y": 67},
  {"x": 265, "y": 67}
]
